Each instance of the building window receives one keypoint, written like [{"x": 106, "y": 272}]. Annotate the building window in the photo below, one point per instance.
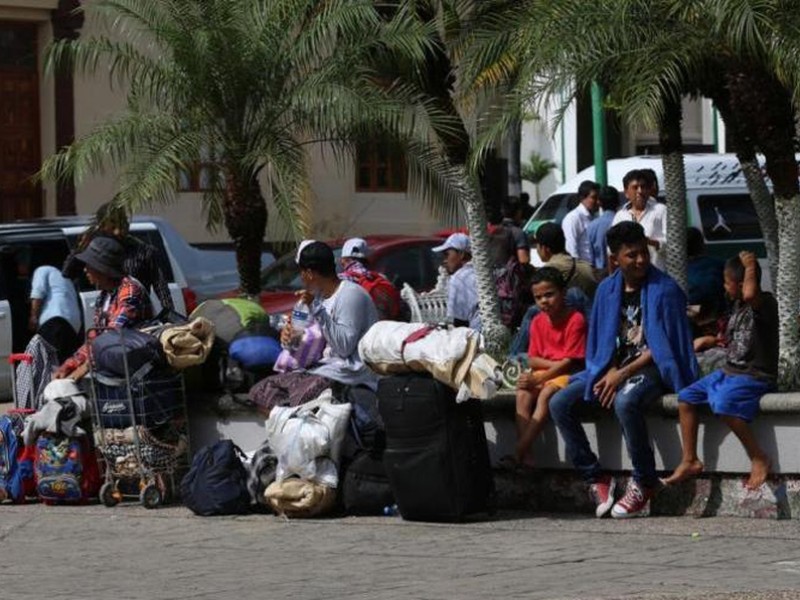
[
  {"x": 200, "y": 177},
  {"x": 380, "y": 168}
]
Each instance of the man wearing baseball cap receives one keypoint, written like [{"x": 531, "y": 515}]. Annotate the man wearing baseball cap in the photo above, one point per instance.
[
  {"x": 462, "y": 291},
  {"x": 383, "y": 293}
]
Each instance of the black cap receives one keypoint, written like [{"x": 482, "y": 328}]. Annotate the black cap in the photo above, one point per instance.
[{"x": 317, "y": 256}]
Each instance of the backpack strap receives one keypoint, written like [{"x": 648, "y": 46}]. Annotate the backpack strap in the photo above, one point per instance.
[{"x": 571, "y": 271}]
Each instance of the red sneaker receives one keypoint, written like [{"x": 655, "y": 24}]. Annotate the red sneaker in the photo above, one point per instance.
[
  {"x": 602, "y": 492},
  {"x": 635, "y": 502}
]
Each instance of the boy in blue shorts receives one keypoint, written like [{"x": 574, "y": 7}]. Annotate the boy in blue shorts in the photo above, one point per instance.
[{"x": 734, "y": 391}]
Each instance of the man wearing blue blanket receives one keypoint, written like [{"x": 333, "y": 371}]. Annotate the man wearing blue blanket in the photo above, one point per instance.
[{"x": 639, "y": 346}]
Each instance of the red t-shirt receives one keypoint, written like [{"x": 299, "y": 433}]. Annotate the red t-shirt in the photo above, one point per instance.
[{"x": 567, "y": 340}]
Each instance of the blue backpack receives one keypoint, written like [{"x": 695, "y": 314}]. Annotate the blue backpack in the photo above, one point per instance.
[
  {"x": 216, "y": 483},
  {"x": 16, "y": 471}
]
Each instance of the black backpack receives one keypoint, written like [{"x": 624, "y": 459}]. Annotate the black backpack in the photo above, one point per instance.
[{"x": 216, "y": 483}]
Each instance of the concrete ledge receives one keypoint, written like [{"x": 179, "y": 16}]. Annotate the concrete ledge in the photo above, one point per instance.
[
  {"x": 666, "y": 405},
  {"x": 715, "y": 495}
]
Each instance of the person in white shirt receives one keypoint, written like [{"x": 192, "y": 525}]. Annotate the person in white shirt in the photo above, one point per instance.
[
  {"x": 646, "y": 211},
  {"x": 462, "y": 290},
  {"x": 577, "y": 221}
]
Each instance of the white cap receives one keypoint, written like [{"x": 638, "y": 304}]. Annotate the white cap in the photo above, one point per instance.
[
  {"x": 355, "y": 248},
  {"x": 302, "y": 245},
  {"x": 457, "y": 241}
]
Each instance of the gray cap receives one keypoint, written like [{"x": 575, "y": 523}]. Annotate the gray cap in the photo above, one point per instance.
[{"x": 105, "y": 255}]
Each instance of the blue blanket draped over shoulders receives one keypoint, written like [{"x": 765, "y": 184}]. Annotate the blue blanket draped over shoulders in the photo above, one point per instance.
[{"x": 666, "y": 330}]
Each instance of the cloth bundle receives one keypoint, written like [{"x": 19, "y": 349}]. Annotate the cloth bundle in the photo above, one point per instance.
[
  {"x": 64, "y": 407},
  {"x": 300, "y": 498},
  {"x": 452, "y": 356},
  {"x": 187, "y": 345}
]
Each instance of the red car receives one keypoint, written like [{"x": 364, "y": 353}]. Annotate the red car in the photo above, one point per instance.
[{"x": 403, "y": 259}]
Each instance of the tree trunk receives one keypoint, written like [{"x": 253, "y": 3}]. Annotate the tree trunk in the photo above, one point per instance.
[
  {"x": 788, "y": 291},
  {"x": 515, "y": 160},
  {"x": 764, "y": 205},
  {"x": 245, "y": 213},
  {"x": 675, "y": 183},
  {"x": 494, "y": 331}
]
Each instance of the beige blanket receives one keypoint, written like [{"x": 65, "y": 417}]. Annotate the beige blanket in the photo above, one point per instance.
[
  {"x": 300, "y": 498},
  {"x": 188, "y": 345}
]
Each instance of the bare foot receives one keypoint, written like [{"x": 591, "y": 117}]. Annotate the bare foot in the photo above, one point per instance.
[
  {"x": 685, "y": 470},
  {"x": 759, "y": 469}
]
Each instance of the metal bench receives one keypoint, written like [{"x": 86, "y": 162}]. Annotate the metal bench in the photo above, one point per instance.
[{"x": 428, "y": 307}]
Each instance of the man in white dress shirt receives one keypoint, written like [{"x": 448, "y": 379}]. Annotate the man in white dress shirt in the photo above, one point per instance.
[
  {"x": 578, "y": 219},
  {"x": 645, "y": 210}
]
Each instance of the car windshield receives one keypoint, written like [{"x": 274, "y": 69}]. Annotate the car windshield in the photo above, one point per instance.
[{"x": 284, "y": 275}]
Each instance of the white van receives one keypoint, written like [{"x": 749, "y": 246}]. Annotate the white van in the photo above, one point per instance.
[
  {"x": 718, "y": 202},
  {"x": 49, "y": 241}
]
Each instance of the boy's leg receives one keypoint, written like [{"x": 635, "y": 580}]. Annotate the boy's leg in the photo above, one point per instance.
[
  {"x": 536, "y": 423},
  {"x": 736, "y": 402},
  {"x": 563, "y": 408},
  {"x": 759, "y": 461},
  {"x": 522, "y": 418},
  {"x": 630, "y": 403},
  {"x": 690, "y": 465}
]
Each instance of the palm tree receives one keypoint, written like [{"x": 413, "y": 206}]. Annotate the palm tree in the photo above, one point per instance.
[
  {"x": 648, "y": 54},
  {"x": 253, "y": 83},
  {"x": 535, "y": 170}
]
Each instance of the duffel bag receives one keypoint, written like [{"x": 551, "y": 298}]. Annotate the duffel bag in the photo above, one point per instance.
[
  {"x": 216, "y": 483},
  {"x": 112, "y": 348},
  {"x": 366, "y": 489}
]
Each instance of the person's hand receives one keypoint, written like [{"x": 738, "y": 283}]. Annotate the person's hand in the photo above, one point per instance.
[
  {"x": 704, "y": 342},
  {"x": 748, "y": 259},
  {"x": 61, "y": 372},
  {"x": 306, "y": 296},
  {"x": 606, "y": 388},
  {"x": 537, "y": 378},
  {"x": 524, "y": 380},
  {"x": 654, "y": 243}
]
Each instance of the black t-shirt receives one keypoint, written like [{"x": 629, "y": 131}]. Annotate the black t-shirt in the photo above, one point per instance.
[
  {"x": 630, "y": 339},
  {"x": 752, "y": 336}
]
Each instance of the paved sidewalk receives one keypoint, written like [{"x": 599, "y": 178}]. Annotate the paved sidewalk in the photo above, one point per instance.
[{"x": 129, "y": 553}]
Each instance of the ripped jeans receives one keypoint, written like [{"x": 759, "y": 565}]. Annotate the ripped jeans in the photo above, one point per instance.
[{"x": 633, "y": 396}]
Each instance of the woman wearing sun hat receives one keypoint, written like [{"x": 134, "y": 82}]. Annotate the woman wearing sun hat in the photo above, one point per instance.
[{"x": 123, "y": 301}]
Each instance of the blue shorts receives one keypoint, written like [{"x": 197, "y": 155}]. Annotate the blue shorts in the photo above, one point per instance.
[{"x": 728, "y": 395}]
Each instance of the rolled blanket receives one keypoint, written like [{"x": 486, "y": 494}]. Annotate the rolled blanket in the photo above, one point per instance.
[
  {"x": 299, "y": 498},
  {"x": 392, "y": 347},
  {"x": 188, "y": 345}
]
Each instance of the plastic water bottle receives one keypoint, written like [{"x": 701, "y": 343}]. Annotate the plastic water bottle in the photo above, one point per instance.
[
  {"x": 391, "y": 511},
  {"x": 301, "y": 314}
]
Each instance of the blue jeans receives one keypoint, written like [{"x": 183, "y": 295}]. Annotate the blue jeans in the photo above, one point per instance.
[{"x": 633, "y": 396}]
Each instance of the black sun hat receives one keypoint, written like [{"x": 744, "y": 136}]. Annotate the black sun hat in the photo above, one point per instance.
[{"x": 105, "y": 255}]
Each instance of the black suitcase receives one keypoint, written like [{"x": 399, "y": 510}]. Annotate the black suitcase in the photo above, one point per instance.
[{"x": 436, "y": 455}]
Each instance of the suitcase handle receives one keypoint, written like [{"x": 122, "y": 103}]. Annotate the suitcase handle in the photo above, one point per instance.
[{"x": 20, "y": 357}]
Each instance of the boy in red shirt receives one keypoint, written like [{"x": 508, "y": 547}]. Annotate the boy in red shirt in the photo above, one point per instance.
[{"x": 557, "y": 348}]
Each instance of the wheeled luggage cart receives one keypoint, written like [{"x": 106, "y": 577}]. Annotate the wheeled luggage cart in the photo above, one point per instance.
[{"x": 140, "y": 429}]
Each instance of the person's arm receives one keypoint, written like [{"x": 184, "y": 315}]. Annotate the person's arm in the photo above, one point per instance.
[
  {"x": 658, "y": 235},
  {"x": 548, "y": 369},
  {"x": 606, "y": 388},
  {"x": 570, "y": 226},
  {"x": 36, "y": 310},
  {"x": 751, "y": 290},
  {"x": 154, "y": 258},
  {"x": 343, "y": 333},
  {"x": 523, "y": 255}
]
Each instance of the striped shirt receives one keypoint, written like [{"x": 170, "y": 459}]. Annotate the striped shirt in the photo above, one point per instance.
[{"x": 125, "y": 306}]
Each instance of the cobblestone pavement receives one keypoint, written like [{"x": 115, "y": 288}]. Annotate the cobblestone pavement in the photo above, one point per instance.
[{"x": 129, "y": 553}]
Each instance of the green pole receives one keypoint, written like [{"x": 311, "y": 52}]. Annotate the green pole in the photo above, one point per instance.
[
  {"x": 599, "y": 135},
  {"x": 715, "y": 128}
]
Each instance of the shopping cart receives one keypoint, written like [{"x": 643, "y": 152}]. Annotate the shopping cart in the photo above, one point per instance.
[{"x": 140, "y": 428}]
